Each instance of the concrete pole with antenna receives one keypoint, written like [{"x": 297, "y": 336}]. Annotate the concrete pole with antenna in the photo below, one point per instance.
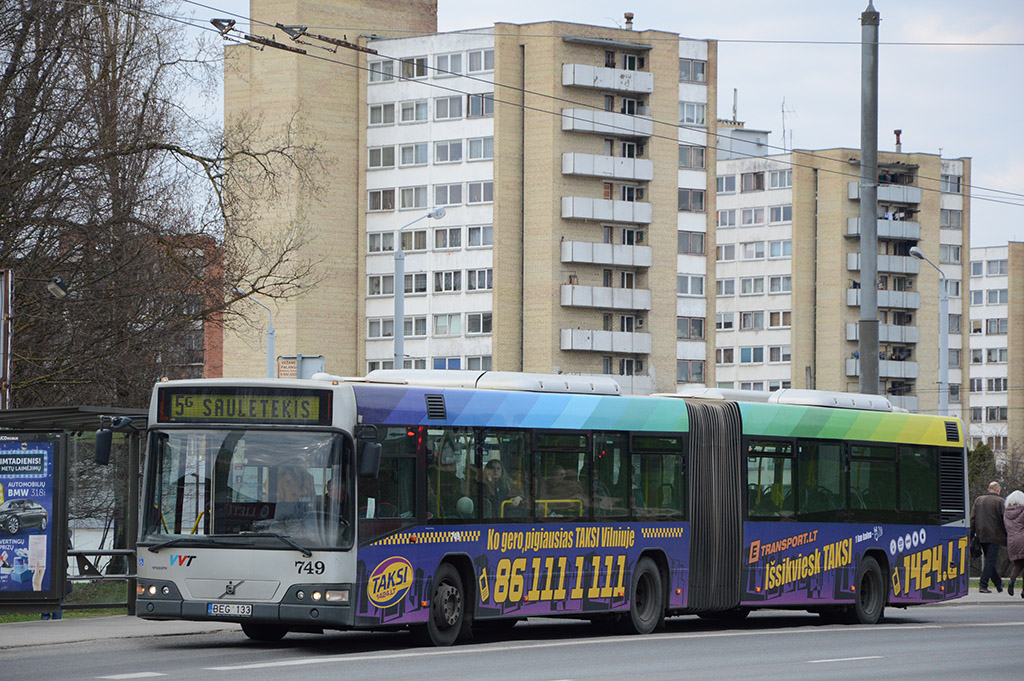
[{"x": 868, "y": 326}]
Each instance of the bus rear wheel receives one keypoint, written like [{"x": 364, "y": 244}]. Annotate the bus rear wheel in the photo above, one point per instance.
[
  {"x": 447, "y": 607},
  {"x": 264, "y": 632},
  {"x": 646, "y": 599},
  {"x": 869, "y": 601}
]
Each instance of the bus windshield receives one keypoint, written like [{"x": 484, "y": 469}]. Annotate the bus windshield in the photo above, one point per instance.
[{"x": 257, "y": 485}]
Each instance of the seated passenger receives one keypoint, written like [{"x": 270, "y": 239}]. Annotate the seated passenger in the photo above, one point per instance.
[{"x": 498, "y": 489}]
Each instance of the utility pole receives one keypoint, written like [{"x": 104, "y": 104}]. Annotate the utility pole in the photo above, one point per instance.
[{"x": 868, "y": 327}]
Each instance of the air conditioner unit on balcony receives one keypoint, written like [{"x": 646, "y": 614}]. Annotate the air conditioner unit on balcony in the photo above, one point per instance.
[{"x": 639, "y": 322}]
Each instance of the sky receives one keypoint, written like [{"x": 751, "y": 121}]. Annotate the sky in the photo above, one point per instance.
[{"x": 951, "y": 98}]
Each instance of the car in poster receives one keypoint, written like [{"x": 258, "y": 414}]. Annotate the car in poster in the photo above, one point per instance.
[{"x": 18, "y": 514}]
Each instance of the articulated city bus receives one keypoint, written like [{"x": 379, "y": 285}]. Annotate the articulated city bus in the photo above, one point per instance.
[{"x": 448, "y": 502}]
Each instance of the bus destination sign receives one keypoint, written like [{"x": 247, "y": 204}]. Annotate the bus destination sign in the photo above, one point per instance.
[{"x": 245, "y": 405}]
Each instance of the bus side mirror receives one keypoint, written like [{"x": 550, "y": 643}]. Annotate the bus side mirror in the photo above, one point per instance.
[
  {"x": 104, "y": 437},
  {"x": 369, "y": 459}
]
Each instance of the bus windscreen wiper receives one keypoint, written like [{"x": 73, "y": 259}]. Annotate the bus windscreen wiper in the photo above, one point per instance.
[
  {"x": 283, "y": 537},
  {"x": 198, "y": 539}
]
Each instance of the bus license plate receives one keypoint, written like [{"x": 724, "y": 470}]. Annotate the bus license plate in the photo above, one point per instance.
[{"x": 229, "y": 609}]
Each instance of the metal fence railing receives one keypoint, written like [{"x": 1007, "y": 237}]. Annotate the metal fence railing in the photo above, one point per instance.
[{"x": 88, "y": 572}]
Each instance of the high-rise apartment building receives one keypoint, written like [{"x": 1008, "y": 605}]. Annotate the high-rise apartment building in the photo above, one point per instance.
[
  {"x": 573, "y": 162},
  {"x": 788, "y": 284},
  {"x": 997, "y": 347}
]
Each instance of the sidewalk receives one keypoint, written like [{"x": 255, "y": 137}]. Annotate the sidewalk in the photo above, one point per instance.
[{"x": 78, "y": 629}]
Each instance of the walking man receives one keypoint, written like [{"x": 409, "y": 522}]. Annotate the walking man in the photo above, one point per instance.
[{"x": 987, "y": 523}]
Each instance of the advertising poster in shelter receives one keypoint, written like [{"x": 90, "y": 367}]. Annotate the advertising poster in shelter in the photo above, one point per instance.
[{"x": 30, "y": 506}]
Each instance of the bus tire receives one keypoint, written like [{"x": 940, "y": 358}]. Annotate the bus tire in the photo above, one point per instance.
[
  {"x": 447, "y": 607},
  {"x": 646, "y": 599},
  {"x": 264, "y": 632},
  {"x": 869, "y": 600}
]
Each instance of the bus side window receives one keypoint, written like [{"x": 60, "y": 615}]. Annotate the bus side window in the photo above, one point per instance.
[
  {"x": 770, "y": 481},
  {"x": 873, "y": 483},
  {"x": 609, "y": 475},
  {"x": 822, "y": 486}
]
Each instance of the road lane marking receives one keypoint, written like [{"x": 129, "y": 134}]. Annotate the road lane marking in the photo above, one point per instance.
[
  {"x": 554, "y": 644},
  {"x": 135, "y": 675},
  {"x": 846, "y": 659}
]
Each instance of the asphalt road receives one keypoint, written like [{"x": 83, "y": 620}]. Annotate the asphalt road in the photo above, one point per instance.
[{"x": 951, "y": 641}]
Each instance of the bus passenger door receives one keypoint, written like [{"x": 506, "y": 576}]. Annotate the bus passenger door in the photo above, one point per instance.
[{"x": 716, "y": 508}]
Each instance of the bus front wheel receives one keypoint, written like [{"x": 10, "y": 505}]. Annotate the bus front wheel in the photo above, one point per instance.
[
  {"x": 264, "y": 632},
  {"x": 646, "y": 602},
  {"x": 869, "y": 601},
  {"x": 447, "y": 607}
]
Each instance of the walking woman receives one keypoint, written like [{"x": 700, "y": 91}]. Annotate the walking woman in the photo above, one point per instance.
[{"x": 1013, "y": 518}]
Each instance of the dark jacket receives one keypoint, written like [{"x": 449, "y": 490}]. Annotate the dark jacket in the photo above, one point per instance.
[
  {"x": 1014, "y": 519},
  {"x": 987, "y": 519}
]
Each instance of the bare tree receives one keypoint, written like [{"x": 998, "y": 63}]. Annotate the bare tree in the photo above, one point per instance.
[{"x": 108, "y": 182}]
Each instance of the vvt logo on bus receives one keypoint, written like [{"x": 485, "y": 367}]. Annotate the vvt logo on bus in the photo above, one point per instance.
[
  {"x": 389, "y": 581},
  {"x": 181, "y": 561}
]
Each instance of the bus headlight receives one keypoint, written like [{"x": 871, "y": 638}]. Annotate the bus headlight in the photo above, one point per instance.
[{"x": 337, "y": 596}]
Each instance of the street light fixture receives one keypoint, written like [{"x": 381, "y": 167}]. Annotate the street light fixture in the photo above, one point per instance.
[
  {"x": 57, "y": 288},
  {"x": 943, "y": 333},
  {"x": 271, "y": 361},
  {"x": 398, "y": 325}
]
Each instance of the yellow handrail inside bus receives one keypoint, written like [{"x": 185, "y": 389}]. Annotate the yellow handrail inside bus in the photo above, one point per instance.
[{"x": 196, "y": 526}]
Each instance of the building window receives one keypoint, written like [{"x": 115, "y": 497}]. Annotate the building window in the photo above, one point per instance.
[
  {"x": 725, "y": 252},
  {"x": 690, "y": 285},
  {"x": 414, "y": 67},
  {"x": 380, "y": 242},
  {"x": 952, "y": 287},
  {"x": 751, "y": 286},
  {"x": 689, "y": 328},
  {"x": 481, "y": 192},
  {"x": 954, "y": 393},
  {"x": 726, "y": 184},
  {"x": 779, "y": 319},
  {"x": 977, "y": 297},
  {"x": 691, "y": 200},
  {"x": 780, "y": 179},
  {"x": 996, "y": 385},
  {"x": 995, "y": 355},
  {"x": 631, "y": 236},
  {"x": 380, "y": 328},
  {"x": 691, "y": 112},
  {"x": 779, "y": 385},
  {"x": 995, "y": 414},
  {"x": 480, "y": 280},
  {"x": 949, "y": 254},
  {"x": 629, "y": 192},
  {"x": 977, "y": 268},
  {"x": 752, "y": 182},
  {"x": 480, "y": 105},
  {"x": 381, "y": 71},
  {"x": 447, "y": 108},
  {"x": 725, "y": 287},
  {"x": 778, "y": 250},
  {"x": 998, "y": 296},
  {"x": 751, "y": 217},
  {"x": 448, "y": 151},
  {"x": 479, "y": 363},
  {"x": 630, "y": 367},
  {"x": 382, "y": 114},
  {"x": 692, "y": 71},
  {"x": 752, "y": 320},
  {"x": 997, "y": 268},
  {"x": 448, "y": 65},
  {"x": 780, "y": 214},
  {"x": 415, "y": 327},
  {"x": 442, "y": 363},
  {"x": 752, "y": 385},
  {"x": 381, "y": 157},
  {"x": 414, "y": 240},
  {"x": 725, "y": 321},
  {"x": 627, "y": 280},
  {"x": 753, "y": 354},
  {"x": 416, "y": 283},
  {"x": 977, "y": 385},
  {"x": 414, "y": 197},
  {"x": 977, "y": 355},
  {"x": 478, "y": 323},
  {"x": 448, "y": 281},
  {"x": 690, "y": 371},
  {"x": 752, "y": 250},
  {"x": 481, "y": 148},
  {"x": 954, "y": 323},
  {"x": 375, "y": 364},
  {"x": 481, "y": 60},
  {"x": 380, "y": 285},
  {"x": 725, "y": 356},
  {"x": 996, "y": 327},
  {"x": 950, "y": 219},
  {"x": 414, "y": 154},
  {"x": 691, "y": 157},
  {"x": 480, "y": 235},
  {"x": 448, "y": 324},
  {"x": 381, "y": 199},
  {"x": 779, "y": 354},
  {"x": 726, "y": 219},
  {"x": 630, "y": 62},
  {"x": 447, "y": 238},
  {"x": 448, "y": 194},
  {"x": 950, "y": 184},
  {"x": 780, "y": 284},
  {"x": 691, "y": 243},
  {"x": 631, "y": 106},
  {"x": 414, "y": 112}
]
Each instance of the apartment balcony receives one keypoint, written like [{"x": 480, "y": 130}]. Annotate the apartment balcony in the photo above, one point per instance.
[
  {"x": 887, "y": 368},
  {"x": 604, "y": 78},
  {"x": 574, "y": 295},
  {"x": 605, "y": 210},
  {"x": 889, "y": 193},
  {"x": 588, "y": 253},
  {"x": 592, "y": 340},
  {"x": 910, "y": 300},
  {"x": 608, "y": 167},
  {"x": 887, "y": 333},
  {"x": 908, "y": 402},
  {"x": 897, "y": 264},
  {"x": 607, "y": 123},
  {"x": 887, "y": 229}
]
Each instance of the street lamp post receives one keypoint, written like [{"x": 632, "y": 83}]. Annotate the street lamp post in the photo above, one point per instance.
[
  {"x": 271, "y": 359},
  {"x": 398, "y": 325},
  {"x": 943, "y": 333}
]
